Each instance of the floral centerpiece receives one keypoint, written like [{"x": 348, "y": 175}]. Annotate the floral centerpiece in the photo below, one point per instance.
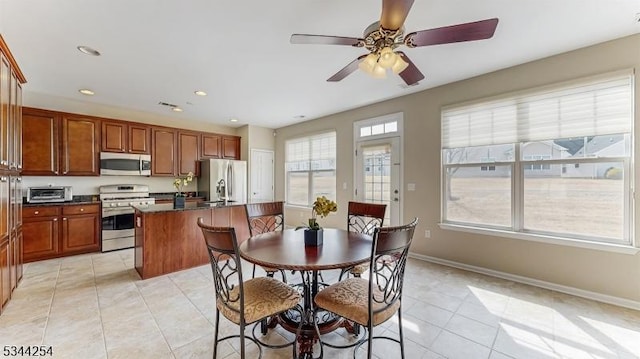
[
  {"x": 179, "y": 183},
  {"x": 313, "y": 232}
]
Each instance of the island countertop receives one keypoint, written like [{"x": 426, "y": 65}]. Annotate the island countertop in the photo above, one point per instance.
[
  {"x": 168, "y": 239},
  {"x": 188, "y": 206}
]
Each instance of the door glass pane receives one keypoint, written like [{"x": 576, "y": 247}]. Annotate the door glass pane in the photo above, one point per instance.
[
  {"x": 479, "y": 194},
  {"x": 377, "y": 175},
  {"x": 585, "y": 199}
]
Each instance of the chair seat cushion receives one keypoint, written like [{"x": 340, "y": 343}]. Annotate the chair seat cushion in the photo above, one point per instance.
[
  {"x": 263, "y": 297},
  {"x": 349, "y": 299}
]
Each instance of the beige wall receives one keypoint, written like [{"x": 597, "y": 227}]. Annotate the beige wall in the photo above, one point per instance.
[{"x": 602, "y": 272}]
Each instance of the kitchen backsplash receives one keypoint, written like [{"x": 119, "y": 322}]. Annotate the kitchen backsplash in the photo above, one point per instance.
[{"x": 89, "y": 185}]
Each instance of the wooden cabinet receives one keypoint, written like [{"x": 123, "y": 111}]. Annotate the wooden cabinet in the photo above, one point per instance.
[
  {"x": 211, "y": 144},
  {"x": 5, "y": 275},
  {"x": 80, "y": 146},
  {"x": 41, "y": 232},
  {"x": 217, "y": 146},
  {"x": 188, "y": 144},
  {"x": 126, "y": 137},
  {"x": 80, "y": 229},
  {"x": 11, "y": 163},
  {"x": 231, "y": 147},
  {"x": 59, "y": 144},
  {"x": 5, "y": 91},
  {"x": 163, "y": 152},
  {"x": 54, "y": 231},
  {"x": 40, "y": 138}
]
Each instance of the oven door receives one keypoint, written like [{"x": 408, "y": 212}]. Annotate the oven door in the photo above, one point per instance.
[{"x": 117, "y": 223}]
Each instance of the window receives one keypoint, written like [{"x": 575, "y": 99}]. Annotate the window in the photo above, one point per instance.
[
  {"x": 310, "y": 166},
  {"x": 379, "y": 129},
  {"x": 560, "y": 162}
]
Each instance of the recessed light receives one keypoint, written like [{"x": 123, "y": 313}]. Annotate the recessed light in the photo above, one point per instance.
[
  {"x": 86, "y": 92},
  {"x": 299, "y": 117},
  {"x": 200, "y": 93},
  {"x": 234, "y": 120},
  {"x": 89, "y": 51},
  {"x": 176, "y": 109}
]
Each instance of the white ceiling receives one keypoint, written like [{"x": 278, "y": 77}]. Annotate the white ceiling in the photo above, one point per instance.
[{"x": 238, "y": 51}]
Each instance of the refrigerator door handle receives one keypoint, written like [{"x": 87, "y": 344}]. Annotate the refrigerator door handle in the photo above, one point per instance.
[{"x": 230, "y": 180}]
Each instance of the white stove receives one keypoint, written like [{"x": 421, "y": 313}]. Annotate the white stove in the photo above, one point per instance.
[{"x": 118, "y": 231}]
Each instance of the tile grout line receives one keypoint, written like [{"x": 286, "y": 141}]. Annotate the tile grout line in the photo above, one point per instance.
[
  {"x": 46, "y": 324},
  {"x": 164, "y": 337},
  {"x": 95, "y": 286}
]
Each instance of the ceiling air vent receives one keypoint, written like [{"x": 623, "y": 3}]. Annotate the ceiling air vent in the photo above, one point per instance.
[{"x": 167, "y": 104}]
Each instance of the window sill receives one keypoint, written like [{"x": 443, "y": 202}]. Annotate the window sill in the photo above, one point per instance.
[{"x": 608, "y": 247}]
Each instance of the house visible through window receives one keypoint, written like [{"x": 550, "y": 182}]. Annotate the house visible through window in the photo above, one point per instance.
[
  {"x": 310, "y": 166},
  {"x": 560, "y": 162}
]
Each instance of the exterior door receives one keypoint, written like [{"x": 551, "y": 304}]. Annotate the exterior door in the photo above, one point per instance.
[
  {"x": 261, "y": 176},
  {"x": 378, "y": 171}
]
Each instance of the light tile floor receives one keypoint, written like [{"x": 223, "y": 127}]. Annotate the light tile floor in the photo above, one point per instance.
[{"x": 95, "y": 306}]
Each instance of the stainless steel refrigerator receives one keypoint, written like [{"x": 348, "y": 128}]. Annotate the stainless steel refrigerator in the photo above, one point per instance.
[{"x": 223, "y": 180}]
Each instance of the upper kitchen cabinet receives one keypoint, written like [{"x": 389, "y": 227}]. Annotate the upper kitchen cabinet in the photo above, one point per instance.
[
  {"x": 40, "y": 142},
  {"x": 163, "y": 151},
  {"x": 55, "y": 143},
  {"x": 125, "y": 137},
  {"x": 5, "y": 90},
  {"x": 80, "y": 146},
  {"x": 219, "y": 146},
  {"x": 188, "y": 143},
  {"x": 231, "y": 147}
]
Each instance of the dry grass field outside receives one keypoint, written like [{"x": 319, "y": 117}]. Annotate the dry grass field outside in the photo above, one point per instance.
[{"x": 589, "y": 207}]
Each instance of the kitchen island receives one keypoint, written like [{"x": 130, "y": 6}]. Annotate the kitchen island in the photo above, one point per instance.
[{"x": 168, "y": 239}]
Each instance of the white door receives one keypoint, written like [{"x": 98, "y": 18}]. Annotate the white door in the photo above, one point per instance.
[
  {"x": 261, "y": 176},
  {"x": 378, "y": 171}
]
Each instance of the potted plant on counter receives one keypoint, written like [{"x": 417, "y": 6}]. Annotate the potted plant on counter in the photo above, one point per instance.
[
  {"x": 313, "y": 232},
  {"x": 179, "y": 183}
]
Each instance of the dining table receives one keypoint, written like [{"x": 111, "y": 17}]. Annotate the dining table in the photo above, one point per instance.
[{"x": 287, "y": 250}]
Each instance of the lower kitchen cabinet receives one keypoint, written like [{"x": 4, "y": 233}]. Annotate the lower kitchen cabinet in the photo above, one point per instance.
[
  {"x": 5, "y": 276},
  {"x": 55, "y": 231}
]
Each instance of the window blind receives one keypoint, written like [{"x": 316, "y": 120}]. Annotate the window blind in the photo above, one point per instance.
[
  {"x": 317, "y": 152},
  {"x": 588, "y": 108}
]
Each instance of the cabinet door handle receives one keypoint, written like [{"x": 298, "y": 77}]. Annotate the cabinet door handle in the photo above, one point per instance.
[
  {"x": 81, "y": 209},
  {"x": 36, "y": 212},
  {"x": 55, "y": 220},
  {"x": 64, "y": 218}
]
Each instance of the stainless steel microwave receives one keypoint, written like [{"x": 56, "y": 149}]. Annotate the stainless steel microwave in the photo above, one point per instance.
[{"x": 124, "y": 164}]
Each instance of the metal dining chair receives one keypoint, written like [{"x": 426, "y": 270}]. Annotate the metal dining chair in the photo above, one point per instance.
[
  {"x": 363, "y": 218},
  {"x": 262, "y": 218},
  {"x": 374, "y": 301},
  {"x": 241, "y": 302}
]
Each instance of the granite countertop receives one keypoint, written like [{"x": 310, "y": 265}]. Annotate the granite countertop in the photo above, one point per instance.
[
  {"x": 170, "y": 195},
  {"x": 188, "y": 206},
  {"x": 82, "y": 199}
]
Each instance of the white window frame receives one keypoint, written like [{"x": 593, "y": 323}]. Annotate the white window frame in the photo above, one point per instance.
[
  {"x": 310, "y": 171},
  {"x": 517, "y": 182}
]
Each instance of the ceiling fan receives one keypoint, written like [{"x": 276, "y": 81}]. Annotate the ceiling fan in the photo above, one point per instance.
[{"x": 382, "y": 37}]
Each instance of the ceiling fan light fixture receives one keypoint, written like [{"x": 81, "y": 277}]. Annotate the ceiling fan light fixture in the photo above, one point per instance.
[
  {"x": 368, "y": 63},
  {"x": 387, "y": 58},
  {"x": 400, "y": 65},
  {"x": 379, "y": 72}
]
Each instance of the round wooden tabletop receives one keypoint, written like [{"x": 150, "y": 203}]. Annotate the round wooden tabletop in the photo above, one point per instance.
[{"x": 286, "y": 250}]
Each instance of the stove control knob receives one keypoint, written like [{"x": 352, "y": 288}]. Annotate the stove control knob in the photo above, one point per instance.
[
  {"x": 131, "y": 203},
  {"x": 112, "y": 205}
]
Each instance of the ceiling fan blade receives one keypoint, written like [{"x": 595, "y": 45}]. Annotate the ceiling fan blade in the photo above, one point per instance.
[
  {"x": 471, "y": 31},
  {"x": 394, "y": 12},
  {"x": 347, "y": 70},
  {"x": 326, "y": 40},
  {"x": 411, "y": 75}
]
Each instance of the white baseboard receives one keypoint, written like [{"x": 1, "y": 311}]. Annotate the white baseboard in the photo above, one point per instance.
[{"x": 534, "y": 282}]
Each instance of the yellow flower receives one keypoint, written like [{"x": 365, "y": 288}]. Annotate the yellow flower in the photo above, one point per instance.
[{"x": 180, "y": 182}]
